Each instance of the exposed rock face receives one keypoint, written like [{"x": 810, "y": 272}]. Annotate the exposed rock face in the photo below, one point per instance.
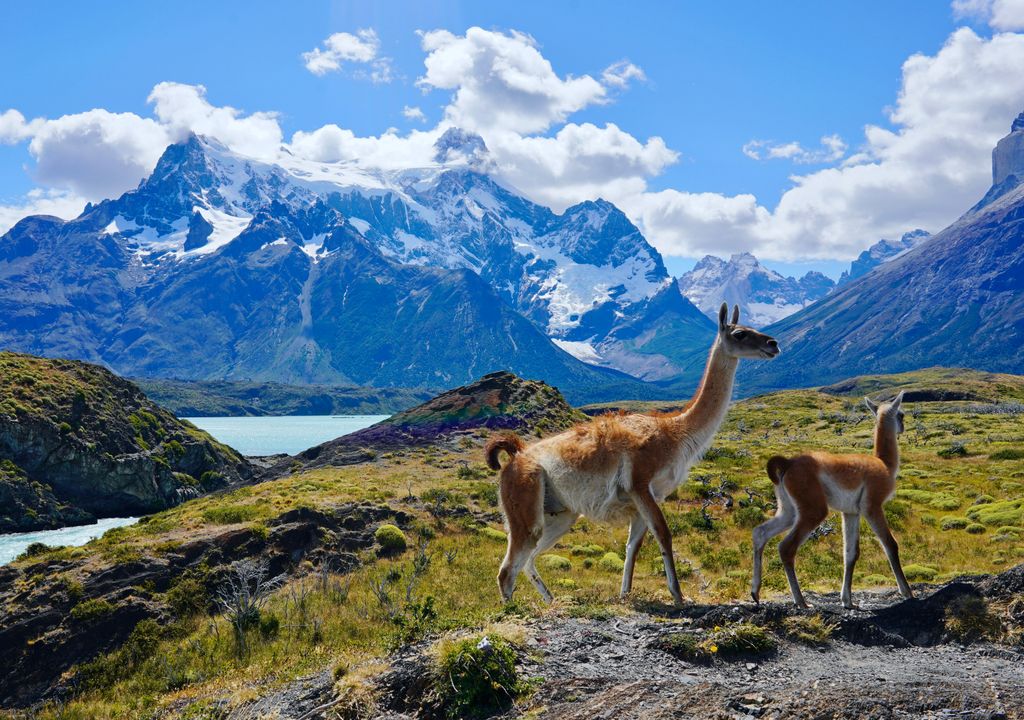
[
  {"x": 88, "y": 443},
  {"x": 496, "y": 401},
  {"x": 1008, "y": 155},
  {"x": 880, "y": 252}
]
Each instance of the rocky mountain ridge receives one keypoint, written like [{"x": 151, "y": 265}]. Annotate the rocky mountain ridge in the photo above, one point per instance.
[
  {"x": 223, "y": 267},
  {"x": 764, "y": 296}
]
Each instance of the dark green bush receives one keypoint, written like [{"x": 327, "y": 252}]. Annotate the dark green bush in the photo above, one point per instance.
[
  {"x": 91, "y": 610},
  {"x": 34, "y": 549},
  {"x": 477, "y": 677}
]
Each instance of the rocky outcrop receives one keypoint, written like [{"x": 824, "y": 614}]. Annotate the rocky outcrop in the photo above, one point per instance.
[
  {"x": 499, "y": 400},
  {"x": 43, "y": 634},
  {"x": 79, "y": 442},
  {"x": 1008, "y": 155}
]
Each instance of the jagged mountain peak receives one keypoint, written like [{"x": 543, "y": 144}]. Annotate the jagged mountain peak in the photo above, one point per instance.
[
  {"x": 881, "y": 252},
  {"x": 764, "y": 296},
  {"x": 457, "y": 144}
]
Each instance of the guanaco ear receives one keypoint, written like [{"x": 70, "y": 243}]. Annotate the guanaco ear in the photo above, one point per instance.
[
  {"x": 723, "y": 315},
  {"x": 897, "y": 400},
  {"x": 871, "y": 406},
  {"x": 735, "y": 314}
]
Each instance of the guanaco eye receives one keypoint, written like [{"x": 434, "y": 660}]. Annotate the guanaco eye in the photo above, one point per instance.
[{"x": 740, "y": 334}]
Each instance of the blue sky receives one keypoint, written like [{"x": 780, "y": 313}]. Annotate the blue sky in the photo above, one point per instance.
[{"x": 718, "y": 76}]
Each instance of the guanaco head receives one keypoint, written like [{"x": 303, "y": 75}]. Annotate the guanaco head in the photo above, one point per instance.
[
  {"x": 741, "y": 341},
  {"x": 888, "y": 412}
]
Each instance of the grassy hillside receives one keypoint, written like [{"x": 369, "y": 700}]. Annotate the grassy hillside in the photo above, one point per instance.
[{"x": 959, "y": 509}]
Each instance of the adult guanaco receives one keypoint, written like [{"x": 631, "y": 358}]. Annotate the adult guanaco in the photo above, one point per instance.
[
  {"x": 806, "y": 486},
  {"x": 615, "y": 468}
]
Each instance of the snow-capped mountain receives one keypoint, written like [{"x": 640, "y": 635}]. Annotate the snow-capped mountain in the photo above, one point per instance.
[
  {"x": 219, "y": 265},
  {"x": 882, "y": 251},
  {"x": 956, "y": 299},
  {"x": 764, "y": 296}
]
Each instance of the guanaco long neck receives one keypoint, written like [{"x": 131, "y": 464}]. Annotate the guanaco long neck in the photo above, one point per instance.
[
  {"x": 887, "y": 445},
  {"x": 711, "y": 401}
]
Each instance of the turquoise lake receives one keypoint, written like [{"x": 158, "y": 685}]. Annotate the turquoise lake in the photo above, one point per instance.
[
  {"x": 13, "y": 544},
  {"x": 281, "y": 434}
]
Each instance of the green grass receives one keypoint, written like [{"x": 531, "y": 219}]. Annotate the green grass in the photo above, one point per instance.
[{"x": 934, "y": 507}]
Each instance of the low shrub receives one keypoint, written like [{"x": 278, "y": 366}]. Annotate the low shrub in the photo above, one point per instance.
[
  {"x": 492, "y": 534},
  {"x": 91, "y": 610},
  {"x": 188, "y": 596},
  {"x": 1007, "y": 454},
  {"x": 728, "y": 643},
  {"x": 915, "y": 571},
  {"x": 390, "y": 538},
  {"x": 230, "y": 514},
  {"x": 975, "y": 529},
  {"x": 555, "y": 562},
  {"x": 587, "y": 550},
  {"x": 748, "y": 517},
  {"x": 1003, "y": 512},
  {"x": 808, "y": 629},
  {"x": 270, "y": 625},
  {"x": 739, "y": 640},
  {"x": 611, "y": 562},
  {"x": 33, "y": 550},
  {"x": 951, "y": 522},
  {"x": 476, "y": 676},
  {"x": 955, "y": 450}
]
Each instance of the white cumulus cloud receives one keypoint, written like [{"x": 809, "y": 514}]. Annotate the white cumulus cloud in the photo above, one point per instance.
[
  {"x": 998, "y": 14},
  {"x": 502, "y": 81},
  {"x": 361, "y": 48},
  {"x": 96, "y": 154},
  {"x": 620, "y": 74},
  {"x": 184, "y": 108},
  {"x": 38, "y": 201},
  {"x": 832, "y": 149},
  {"x": 927, "y": 167},
  {"x": 414, "y": 113}
]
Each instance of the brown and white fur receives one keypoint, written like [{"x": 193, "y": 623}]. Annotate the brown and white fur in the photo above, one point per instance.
[
  {"x": 806, "y": 486},
  {"x": 615, "y": 468}
]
